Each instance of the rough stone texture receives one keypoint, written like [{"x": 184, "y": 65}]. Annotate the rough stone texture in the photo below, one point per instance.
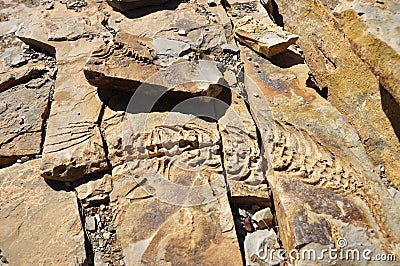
[
  {"x": 39, "y": 32},
  {"x": 174, "y": 161},
  {"x": 131, "y": 60},
  {"x": 40, "y": 225},
  {"x": 195, "y": 180},
  {"x": 373, "y": 31},
  {"x": 73, "y": 146},
  {"x": 350, "y": 84},
  {"x": 257, "y": 245},
  {"x": 316, "y": 152},
  {"x": 206, "y": 27},
  {"x": 242, "y": 157},
  {"x": 264, "y": 38},
  {"x": 22, "y": 113},
  {"x": 264, "y": 218},
  {"x": 95, "y": 191}
]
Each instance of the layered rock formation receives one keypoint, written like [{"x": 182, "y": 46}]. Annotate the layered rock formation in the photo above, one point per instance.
[{"x": 201, "y": 132}]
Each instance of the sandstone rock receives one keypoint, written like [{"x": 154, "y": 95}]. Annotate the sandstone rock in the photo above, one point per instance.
[
  {"x": 264, "y": 218},
  {"x": 90, "y": 223},
  {"x": 123, "y": 64},
  {"x": 336, "y": 68},
  {"x": 206, "y": 28},
  {"x": 258, "y": 246},
  {"x": 243, "y": 160},
  {"x": 371, "y": 30},
  {"x": 95, "y": 191},
  {"x": 73, "y": 146},
  {"x": 39, "y": 225},
  {"x": 230, "y": 48},
  {"x": 20, "y": 76},
  {"x": 22, "y": 115},
  {"x": 172, "y": 188},
  {"x": 267, "y": 39},
  {"x": 25, "y": 91},
  {"x": 46, "y": 33},
  {"x": 337, "y": 169},
  {"x": 125, "y": 5},
  {"x": 168, "y": 51},
  {"x": 130, "y": 61}
]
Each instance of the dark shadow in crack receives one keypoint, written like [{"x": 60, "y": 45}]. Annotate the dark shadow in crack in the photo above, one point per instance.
[
  {"x": 143, "y": 11},
  {"x": 287, "y": 59},
  {"x": 391, "y": 109},
  {"x": 181, "y": 102},
  {"x": 277, "y": 17}
]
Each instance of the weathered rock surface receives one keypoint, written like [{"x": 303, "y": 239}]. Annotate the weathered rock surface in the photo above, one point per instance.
[
  {"x": 131, "y": 60},
  {"x": 40, "y": 225},
  {"x": 349, "y": 82},
  {"x": 26, "y": 85},
  {"x": 22, "y": 115},
  {"x": 206, "y": 28},
  {"x": 308, "y": 161},
  {"x": 265, "y": 38},
  {"x": 256, "y": 248},
  {"x": 373, "y": 31},
  {"x": 41, "y": 33},
  {"x": 173, "y": 185},
  {"x": 73, "y": 146},
  {"x": 240, "y": 157}
]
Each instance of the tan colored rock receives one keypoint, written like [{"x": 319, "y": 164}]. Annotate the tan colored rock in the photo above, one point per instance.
[
  {"x": 19, "y": 76},
  {"x": 373, "y": 31},
  {"x": 131, "y": 60},
  {"x": 350, "y": 84},
  {"x": 242, "y": 157},
  {"x": 322, "y": 181},
  {"x": 206, "y": 28},
  {"x": 170, "y": 197},
  {"x": 264, "y": 218},
  {"x": 40, "y": 225},
  {"x": 267, "y": 39},
  {"x": 39, "y": 32},
  {"x": 22, "y": 115},
  {"x": 123, "y": 64},
  {"x": 95, "y": 191},
  {"x": 258, "y": 246},
  {"x": 73, "y": 146}
]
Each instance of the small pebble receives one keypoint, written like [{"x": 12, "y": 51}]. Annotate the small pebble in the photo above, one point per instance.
[
  {"x": 24, "y": 159},
  {"x": 182, "y": 32},
  {"x": 50, "y": 6},
  {"x": 106, "y": 235},
  {"x": 90, "y": 223},
  {"x": 118, "y": 20},
  {"x": 256, "y": 94},
  {"x": 102, "y": 207}
]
